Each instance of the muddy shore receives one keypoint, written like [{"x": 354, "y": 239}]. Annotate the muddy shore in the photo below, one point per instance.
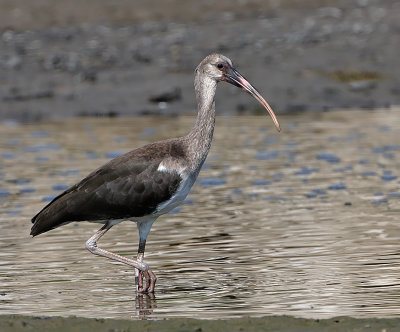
[
  {"x": 118, "y": 60},
  {"x": 15, "y": 323}
]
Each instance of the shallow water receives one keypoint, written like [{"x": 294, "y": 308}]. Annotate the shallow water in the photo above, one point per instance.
[{"x": 301, "y": 223}]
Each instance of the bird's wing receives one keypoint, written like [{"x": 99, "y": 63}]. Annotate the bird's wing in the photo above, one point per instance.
[{"x": 125, "y": 187}]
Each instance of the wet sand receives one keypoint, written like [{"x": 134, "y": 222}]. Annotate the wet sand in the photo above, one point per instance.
[
  {"x": 101, "y": 59},
  {"x": 15, "y": 323}
]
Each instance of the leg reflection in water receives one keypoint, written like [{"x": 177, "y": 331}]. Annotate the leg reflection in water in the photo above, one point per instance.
[{"x": 145, "y": 303}]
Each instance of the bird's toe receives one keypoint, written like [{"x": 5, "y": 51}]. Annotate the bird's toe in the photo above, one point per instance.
[
  {"x": 152, "y": 281},
  {"x": 146, "y": 282}
]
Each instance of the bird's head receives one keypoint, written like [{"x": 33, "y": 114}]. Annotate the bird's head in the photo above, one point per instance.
[
  {"x": 215, "y": 66},
  {"x": 219, "y": 68}
]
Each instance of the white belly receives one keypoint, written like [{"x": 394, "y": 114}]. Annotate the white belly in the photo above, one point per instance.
[{"x": 178, "y": 197}]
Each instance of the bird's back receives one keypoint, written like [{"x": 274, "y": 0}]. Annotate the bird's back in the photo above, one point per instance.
[{"x": 128, "y": 186}]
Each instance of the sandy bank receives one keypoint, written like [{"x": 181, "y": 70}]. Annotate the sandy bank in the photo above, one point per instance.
[{"x": 273, "y": 323}]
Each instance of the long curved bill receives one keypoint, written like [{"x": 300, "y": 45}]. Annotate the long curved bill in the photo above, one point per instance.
[{"x": 232, "y": 76}]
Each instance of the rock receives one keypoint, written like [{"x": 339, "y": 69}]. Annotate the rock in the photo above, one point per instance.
[
  {"x": 89, "y": 75},
  {"x": 8, "y": 36},
  {"x": 110, "y": 55},
  {"x": 296, "y": 108},
  {"x": 362, "y": 3},
  {"x": 52, "y": 61},
  {"x": 330, "y": 12},
  {"x": 362, "y": 86},
  {"x": 28, "y": 96},
  {"x": 331, "y": 91},
  {"x": 72, "y": 62},
  {"x": 167, "y": 96},
  {"x": 12, "y": 62}
]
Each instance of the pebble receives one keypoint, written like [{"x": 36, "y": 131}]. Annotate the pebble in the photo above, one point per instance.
[
  {"x": 166, "y": 96},
  {"x": 89, "y": 75},
  {"x": 361, "y": 86},
  {"x": 11, "y": 62},
  {"x": 331, "y": 12}
]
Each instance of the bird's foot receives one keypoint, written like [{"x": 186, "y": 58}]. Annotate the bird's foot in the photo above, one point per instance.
[{"x": 146, "y": 282}]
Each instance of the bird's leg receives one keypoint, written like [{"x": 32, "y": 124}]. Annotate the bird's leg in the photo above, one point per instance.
[
  {"x": 148, "y": 275},
  {"x": 150, "y": 278},
  {"x": 91, "y": 245},
  {"x": 139, "y": 258}
]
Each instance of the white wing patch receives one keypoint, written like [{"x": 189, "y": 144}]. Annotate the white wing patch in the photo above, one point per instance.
[
  {"x": 162, "y": 168},
  {"x": 181, "y": 192},
  {"x": 176, "y": 168}
]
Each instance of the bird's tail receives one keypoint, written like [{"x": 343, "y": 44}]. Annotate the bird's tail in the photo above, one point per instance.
[{"x": 51, "y": 216}]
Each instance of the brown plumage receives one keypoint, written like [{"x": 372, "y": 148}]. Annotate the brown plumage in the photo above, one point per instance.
[{"x": 128, "y": 186}]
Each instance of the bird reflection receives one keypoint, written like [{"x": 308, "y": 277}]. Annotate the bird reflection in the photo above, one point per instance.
[{"x": 145, "y": 303}]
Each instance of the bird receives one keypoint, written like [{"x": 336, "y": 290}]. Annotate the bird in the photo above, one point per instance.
[{"x": 149, "y": 181}]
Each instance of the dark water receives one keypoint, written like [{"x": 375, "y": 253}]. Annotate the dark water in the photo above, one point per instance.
[{"x": 301, "y": 223}]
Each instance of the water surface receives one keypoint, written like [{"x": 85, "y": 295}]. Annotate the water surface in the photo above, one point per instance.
[{"x": 301, "y": 223}]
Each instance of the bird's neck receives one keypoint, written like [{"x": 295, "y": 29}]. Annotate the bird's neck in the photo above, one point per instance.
[{"x": 201, "y": 135}]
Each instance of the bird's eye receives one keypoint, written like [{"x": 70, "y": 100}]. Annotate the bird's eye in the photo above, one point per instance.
[{"x": 220, "y": 66}]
